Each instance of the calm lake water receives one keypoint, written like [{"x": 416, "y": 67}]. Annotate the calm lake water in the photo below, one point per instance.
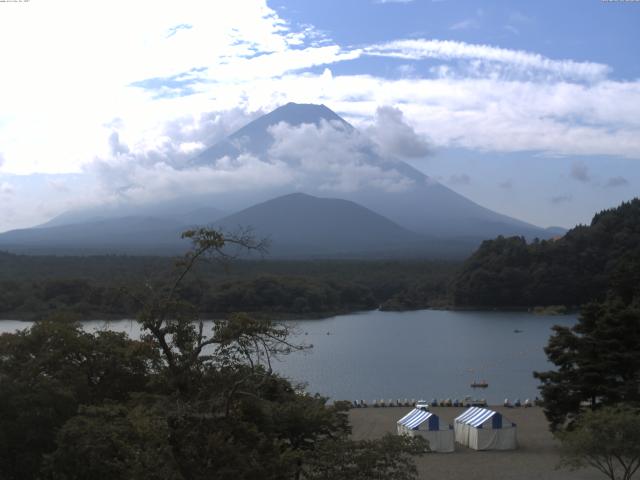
[{"x": 420, "y": 354}]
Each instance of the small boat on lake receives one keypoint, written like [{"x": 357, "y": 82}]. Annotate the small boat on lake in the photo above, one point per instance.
[{"x": 482, "y": 384}]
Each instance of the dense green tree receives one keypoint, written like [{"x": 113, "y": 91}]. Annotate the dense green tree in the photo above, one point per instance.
[
  {"x": 34, "y": 287},
  {"x": 182, "y": 403},
  {"x": 607, "y": 439},
  {"x": 390, "y": 457},
  {"x": 46, "y": 372},
  {"x": 234, "y": 411},
  {"x": 597, "y": 360},
  {"x": 113, "y": 442},
  {"x": 573, "y": 270}
]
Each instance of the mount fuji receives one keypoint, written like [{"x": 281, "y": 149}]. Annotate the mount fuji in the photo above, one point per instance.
[
  {"x": 357, "y": 200},
  {"x": 390, "y": 186}
]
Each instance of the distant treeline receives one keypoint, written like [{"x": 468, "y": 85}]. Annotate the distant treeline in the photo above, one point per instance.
[
  {"x": 573, "y": 270},
  {"x": 115, "y": 286}
]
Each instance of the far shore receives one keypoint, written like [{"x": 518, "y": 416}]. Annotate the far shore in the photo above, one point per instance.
[
  {"x": 288, "y": 316},
  {"x": 536, "y": 458}
]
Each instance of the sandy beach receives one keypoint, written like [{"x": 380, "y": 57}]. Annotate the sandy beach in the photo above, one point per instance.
[{"x": 536, "y": 457}]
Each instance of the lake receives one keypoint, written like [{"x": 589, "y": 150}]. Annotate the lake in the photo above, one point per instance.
[{"x": 419, "y": 354}]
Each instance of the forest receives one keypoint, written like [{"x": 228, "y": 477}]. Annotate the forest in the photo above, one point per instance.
[
  {"x": 112, "y": 286},
  {"x": 573, "y": 270},
  {"x": 76, "y": 404},
  {"x": 179, "y": 403},
  {"x": 570, "y": 271}
]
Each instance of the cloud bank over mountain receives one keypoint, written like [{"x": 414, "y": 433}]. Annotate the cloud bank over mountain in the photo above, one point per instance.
[
  {"x": 251, "y": 58},
  {"x": 395, "y": 209},
  {"x": 129, "y": 127}
]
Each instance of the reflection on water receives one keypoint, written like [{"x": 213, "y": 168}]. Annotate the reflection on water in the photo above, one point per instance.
[{"x": 420, "y": 354}]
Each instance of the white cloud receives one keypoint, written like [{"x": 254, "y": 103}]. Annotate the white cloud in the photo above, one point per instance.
[
  {"x": 190, "y": 148},
  {"x": 395, "y": 137},
  {"x": 95, "y": 68},
  {"x": 156, "y": 167},
  {"x": 6, "y": 188},
  {"x": 326, "y": 157},
  {"x": 555, "y": 118},
  {"x": 416, "y": 49},
  {"x": 466, "y": 24},
  {"x": 117, "y": 148},
  {"x": 406, "y": 70},
  {"x": 250, "y": 59},
  {"x": 137, "y": 183},
  {"x": 204, "y": 75},
  {"x": 59, "y": 186},
  {"x": 336, "y": 158}
]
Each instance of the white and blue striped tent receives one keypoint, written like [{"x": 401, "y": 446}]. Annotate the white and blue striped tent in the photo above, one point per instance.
[
  {"x": 427, "y": 425},
  {"x": 484, "y": 429}
]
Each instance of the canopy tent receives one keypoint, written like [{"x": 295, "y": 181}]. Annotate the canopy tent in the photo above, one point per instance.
[
  {"x": 484, "y": 429},
  {"x": 423, "y": 423}
]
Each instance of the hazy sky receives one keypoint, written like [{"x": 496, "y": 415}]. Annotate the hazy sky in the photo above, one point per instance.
[{"x": 529, "y": 108}]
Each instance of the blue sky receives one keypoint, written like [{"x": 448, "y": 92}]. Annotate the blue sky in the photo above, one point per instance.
[
  {"x": 528, "y": 108},
  {"x": 581, "y": 30}
]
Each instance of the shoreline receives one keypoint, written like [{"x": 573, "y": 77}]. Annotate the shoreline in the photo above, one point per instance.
[
  {"x": 536, "y": 458},
  {"x": 289, "y": 316}
]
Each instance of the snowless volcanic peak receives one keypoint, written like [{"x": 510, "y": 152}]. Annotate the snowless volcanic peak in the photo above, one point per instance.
[
  {"x": 387, "y": 186},
  {"x": 256, "y": 138},
  {"x": 358, "y": 191}
]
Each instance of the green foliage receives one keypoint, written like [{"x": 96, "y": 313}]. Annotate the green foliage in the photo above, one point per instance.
[
  {"x": 180, "y": 404},
  {"x": 573, "y": 270},
  {"x": 51, "y": 369},
  {"x": 110, "y": 286},
  {"x": 288, "y": 294},
  {"x": 112, "y": 442},
  {"x": 419, "y": 294},
  {"x": 597, "y": 360},
  {"x": 390, "y": 457},
  {"x": 607, "y": 439}
]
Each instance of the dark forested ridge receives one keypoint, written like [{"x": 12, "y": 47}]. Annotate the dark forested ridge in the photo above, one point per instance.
[
  {"x": 107, "y": 286},
  {"x": 506, "y": 272},
  {"x": 575, "y": 269}
]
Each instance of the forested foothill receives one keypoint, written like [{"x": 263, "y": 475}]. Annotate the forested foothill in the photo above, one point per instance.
[
  {"x": 597, "y": 360},
  {"x": 570, "y": 271},
  {"x": 592, "y": 395},
  {"x": 108, "y": 286},
  {"x": 573, "y": 270},
  {"x": 182, "y": 402}
]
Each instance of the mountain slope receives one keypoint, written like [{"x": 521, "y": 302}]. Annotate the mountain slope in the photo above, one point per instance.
[
  {"x": 255, "y": 137},
  {"x": 425, "y": 206},
  {"x": 134, "y": 235},
  {"x": 175, "y": 211},
  {"x": 300, "y": 224},
  {"x": 297, "y": 226},
  {"x": 360, "y": 174}
]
